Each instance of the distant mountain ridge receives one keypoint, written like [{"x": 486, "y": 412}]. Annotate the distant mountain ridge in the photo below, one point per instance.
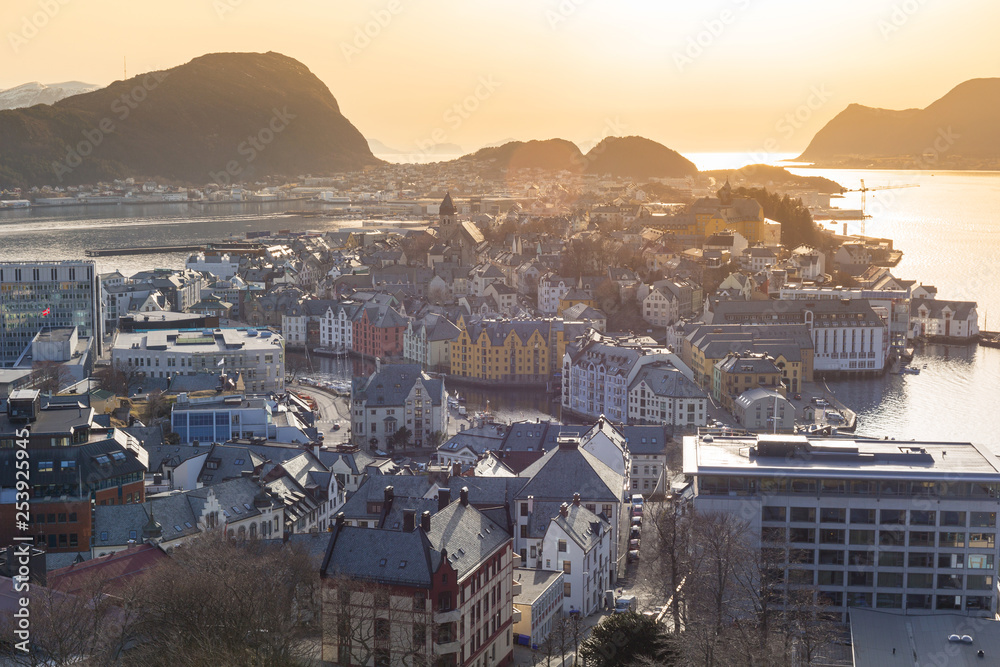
[
  {"x": 30, "y": 94},
  {"x": 959, "y": 130},
  {"x": 625, "y": 157},
  {"x": 224, "y": 117}
]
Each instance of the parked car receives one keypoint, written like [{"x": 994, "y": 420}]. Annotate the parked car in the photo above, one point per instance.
[
  {"x": 637, "y": 521},
  {"x": 336, "y": 426},
  {"x": 633, "y": 544},
  {"x": 634, "y": 533},
  {"x": 633, "y": 556},
  {"x": 379, "y": 452},
  {"x": 798, "y": 397}
]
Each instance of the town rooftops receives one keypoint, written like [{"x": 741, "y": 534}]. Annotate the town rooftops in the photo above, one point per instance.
[
  {"x": 207, "y": 341},
  {"x": 459, "y": 533},
  {"x": 886, "y": 639},
  {"x": 533, "y": 583},
  {"x": 784, "y": 455}
]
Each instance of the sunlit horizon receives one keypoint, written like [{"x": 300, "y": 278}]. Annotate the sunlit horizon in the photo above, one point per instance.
[{"x": 720, "y": 76}]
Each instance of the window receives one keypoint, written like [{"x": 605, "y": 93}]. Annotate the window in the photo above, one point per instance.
[
  {"x": 922, "y": 517},
  {"x": 890, "y": 559},
  {"x": 919, "y": 580},
  {"x": 832, "y": 515},
  {"x": 562, "y": 546},
  {"x": 986, "y": 519},
  {"x": 567, "y": 567},
  {"x": 831, "y": 557},
  {"x": 892, "y": 516},
  {"x": 803, "y": 514},
  {"x": 773, "y": 513},
  {"x": 890, "y": 579},
  {"x": 862, "y": 537},
  {"x": 920, "y": 559},
  {"x": 802, "y": 535},
  {"x": 861, "y": 558},
  {"x": 953, "y": 519},
  {"x": 951, "y": 539},
  {"x": 832, "y": 536},
  {"x": 567, "y": 590}
]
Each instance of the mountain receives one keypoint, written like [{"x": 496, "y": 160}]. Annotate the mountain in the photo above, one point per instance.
[
  {"x": 30, "y": 94},
  {"x": 547, "y": 154},
  {"x": 770, "y": 177},
  {"x": 958, "y": 131},
  {"x": 637, "y": 157},
  {"x": 223, "y": 117},
  {"x": 627, "y": 157}
]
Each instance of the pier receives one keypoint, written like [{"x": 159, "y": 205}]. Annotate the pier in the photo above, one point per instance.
[{"x": 108, "y": 252}]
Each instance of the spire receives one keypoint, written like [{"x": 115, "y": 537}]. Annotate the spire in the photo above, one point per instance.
[
  {"x": 447, "y": 206},
  {"x": 152, "y": 529}
]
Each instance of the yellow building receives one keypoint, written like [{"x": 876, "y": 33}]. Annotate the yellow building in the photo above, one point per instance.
[
  {"x": 511, "y": 351},
  {"x": 574, "y": 296}
]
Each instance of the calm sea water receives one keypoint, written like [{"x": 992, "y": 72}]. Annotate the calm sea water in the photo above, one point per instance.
[{"x": 948, "y": 228}]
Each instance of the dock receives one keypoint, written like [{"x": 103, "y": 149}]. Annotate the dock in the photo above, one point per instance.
[{"x": 153, "y": 250}]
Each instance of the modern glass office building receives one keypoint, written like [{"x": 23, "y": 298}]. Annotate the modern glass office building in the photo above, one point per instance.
[{"x": 34, "y": 295}]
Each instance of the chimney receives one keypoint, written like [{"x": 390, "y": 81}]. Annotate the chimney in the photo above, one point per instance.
[
  {"x": 465, "y": 496},
  {"x": 531, "y": 504},
  {"x": 564, "y": 509},
  {"x": 340, "y": 519},
  {"x": 409, "y": 520},
  {"x": 576, "y": 499},
  {"x": 388, "y": 494},
  {"x": 456, "y": 469},
  {"x": 444, "y": 497},
  {"x": 425, "y": 521}
]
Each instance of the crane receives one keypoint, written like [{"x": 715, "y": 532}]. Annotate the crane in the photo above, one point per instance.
[{"x": 865, "y": 190}]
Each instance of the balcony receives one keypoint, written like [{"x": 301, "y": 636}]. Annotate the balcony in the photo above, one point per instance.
[
  {"x": 447, "y": 616},
  {"x": 515, "y": 616},
  {"x": 516, "y": 561},
  {"x": 515, "y": 588},
  {"x": 444, "y": 648}
]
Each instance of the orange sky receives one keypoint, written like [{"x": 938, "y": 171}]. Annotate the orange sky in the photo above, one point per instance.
[{"x": 738, "y": 75}]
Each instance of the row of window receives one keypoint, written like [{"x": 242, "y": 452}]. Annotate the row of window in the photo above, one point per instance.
[
  {"x": 913, "y": 601},
  {"x": 739, "y": 485},
  {"x": 950, "y": 518},
  {"x": 977, "y": 540}
]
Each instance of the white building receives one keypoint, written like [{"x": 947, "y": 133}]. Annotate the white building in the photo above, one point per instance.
[
  {"x": 662, "y": 394},
  {"x": 564, "y": 472},
  {"x": 397, "y": 396},
  {"x": 578, "y": 542},
  {"x": 220, "y": 419},
  {"x": 259, "y": 356},
  {"x": 945, "y": 319},
  {"x": 597, "y": 376},
  {"x": 660, "y": 307},
  {"x": 223, "y": 266},
  {"x": 905, "y": 527},
  {"x": 810, "y": 262},
  {"x": 335, "y": 326},
  {"x": 763, "y": 409}
]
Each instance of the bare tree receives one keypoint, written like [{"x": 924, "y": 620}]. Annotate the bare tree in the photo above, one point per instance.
[
  {"x": 365, "y": 621},
  {"x": 92, "y": 621},
  {"x": 666, "y": 532},
  {"x": 50, "y": 376},
  {"x": 226, "y": 602}
]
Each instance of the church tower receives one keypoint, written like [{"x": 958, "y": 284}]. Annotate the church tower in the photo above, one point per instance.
[{"x": 448, "y": 223}]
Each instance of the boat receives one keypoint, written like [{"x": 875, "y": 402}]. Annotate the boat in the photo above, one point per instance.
[
  {"x": 989, "y": 338},
  {"x": 907, "y": 370}
]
